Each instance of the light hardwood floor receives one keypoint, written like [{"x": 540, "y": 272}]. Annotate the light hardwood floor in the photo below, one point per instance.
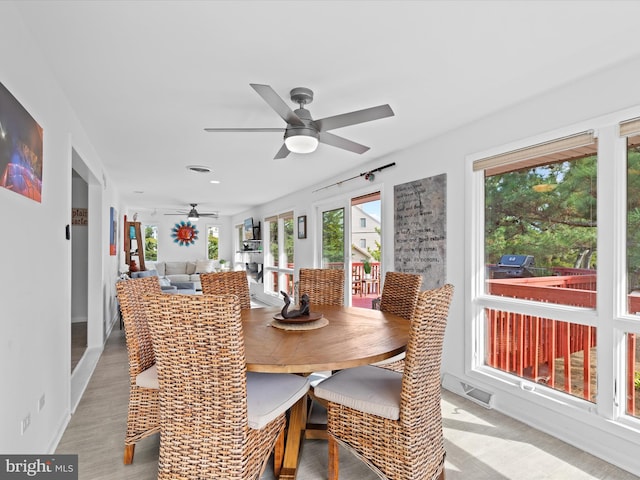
[{"x": 481, "y": 444}]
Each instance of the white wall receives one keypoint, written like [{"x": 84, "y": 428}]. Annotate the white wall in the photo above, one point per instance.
[
  {"x": 170, "y": 251},
  {"x": 36, "y": 283},
  {"x": 605, "y": 93}
]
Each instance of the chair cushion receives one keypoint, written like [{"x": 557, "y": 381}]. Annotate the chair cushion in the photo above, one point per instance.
[
  {"x": 367, "y": 389},
  {"x": 271, "y": 394},
  {"x": 148, "y": 378}
]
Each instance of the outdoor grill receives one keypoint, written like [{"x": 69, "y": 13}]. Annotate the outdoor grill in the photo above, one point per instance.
[{"x": 514, "y": 266}]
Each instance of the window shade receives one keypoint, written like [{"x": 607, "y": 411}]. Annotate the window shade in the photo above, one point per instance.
[
  {"x": 574, "y": 146},
  {"x": 629, "y": 128},
  {"x": 274, "y": 218}
]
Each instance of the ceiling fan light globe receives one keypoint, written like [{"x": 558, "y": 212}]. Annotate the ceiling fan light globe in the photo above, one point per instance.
[{"x": 305, "y": 141}]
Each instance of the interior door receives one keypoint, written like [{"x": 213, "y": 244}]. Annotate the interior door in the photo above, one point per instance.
[{"x": 350, "y": 232}]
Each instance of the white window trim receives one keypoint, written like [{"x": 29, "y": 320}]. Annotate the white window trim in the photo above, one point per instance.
[
  {"x": 266, "y": 248},
  {"x": 608, "y": 413}
]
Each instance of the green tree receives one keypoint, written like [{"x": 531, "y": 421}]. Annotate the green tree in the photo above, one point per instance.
[
  {"x": 633, "y": 217},
  {"x": 288, "y": 240},
  {"x": 377, "y": 253},
  {"x": 150, "y": 243},
  {"x": 548, "y": 211},
  {"x": 212, "y": 244},
  {"x": 333, "y": 236}
]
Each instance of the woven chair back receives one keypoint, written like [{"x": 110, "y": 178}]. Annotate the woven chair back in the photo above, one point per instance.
[
  {"x": 400, "y": 293},
  {"x": 421, "y": 380},
  {"x": 134, "y": 317},
  {"x": 200, "y": 356},
  {"x": 227, "y": 283},
  {"x": 324, "y": 286}
]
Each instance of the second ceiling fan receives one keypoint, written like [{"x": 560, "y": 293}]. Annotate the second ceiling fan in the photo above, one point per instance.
[
  {"x": 302, "y": 133},
  {"x": 193, "y": 215}
]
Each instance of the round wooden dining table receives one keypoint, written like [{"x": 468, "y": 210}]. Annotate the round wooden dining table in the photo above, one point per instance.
[{"x": 351, "y": 337}]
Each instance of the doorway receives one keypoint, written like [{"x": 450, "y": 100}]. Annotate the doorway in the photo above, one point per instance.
[
  {"x": 366, "y": 249},
  {"x": 351, "y": 240},
  {"x": 79, "y": 266},
  {"x": 86, "y": 275}
]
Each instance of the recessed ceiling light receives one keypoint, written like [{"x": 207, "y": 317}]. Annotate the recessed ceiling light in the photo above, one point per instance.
[
  {"x": 214, "y": 181},
  {"x": 199, "y": 168},
  {"x": 138, "y": 191}
]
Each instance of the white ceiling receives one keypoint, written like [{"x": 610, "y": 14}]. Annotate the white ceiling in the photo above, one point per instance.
[{"x": 146, "y": 77}]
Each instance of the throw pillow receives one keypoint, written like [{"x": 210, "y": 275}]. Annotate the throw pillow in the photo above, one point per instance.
[
  {"x": 175, "y": 268},
  {"x": 191, "y": 268},
  {"x": 204, "y": 266},
  {"x": 164, "y": 282}
]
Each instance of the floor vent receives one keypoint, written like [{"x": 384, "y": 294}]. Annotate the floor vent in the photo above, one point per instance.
[{"x": 475, "y": 394}]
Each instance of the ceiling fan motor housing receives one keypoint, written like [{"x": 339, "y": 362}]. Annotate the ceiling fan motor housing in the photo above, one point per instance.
[
  {"x": 301, "y": 95},
  {"x": 308, "y": 130}
]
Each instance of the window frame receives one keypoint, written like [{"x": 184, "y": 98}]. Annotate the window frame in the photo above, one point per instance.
[{"x": 478, "y": 300}]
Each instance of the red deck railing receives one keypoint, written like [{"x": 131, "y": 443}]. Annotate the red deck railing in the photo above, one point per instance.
[{"x": 530, "y": 346}]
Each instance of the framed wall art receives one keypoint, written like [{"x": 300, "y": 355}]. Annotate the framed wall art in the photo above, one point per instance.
[
  {"x": 420, "y": 227},
  {"x": 302, "y": 226},
  {"x": 20, "y": 148}
]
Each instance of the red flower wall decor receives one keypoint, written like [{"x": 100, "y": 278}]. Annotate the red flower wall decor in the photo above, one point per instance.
[{"x": 184, "y": 233}]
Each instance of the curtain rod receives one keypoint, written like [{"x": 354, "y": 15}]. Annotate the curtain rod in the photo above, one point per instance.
[{"x": 369, "y": 175}]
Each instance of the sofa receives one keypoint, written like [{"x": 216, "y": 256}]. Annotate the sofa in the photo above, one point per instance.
[
  {"x": 187, "y": 271},
  {"x": 166, "y": 285}
]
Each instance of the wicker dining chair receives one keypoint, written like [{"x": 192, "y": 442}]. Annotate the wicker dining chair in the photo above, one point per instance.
[
  {"x": 223, "y": 283},
  {"x": 399, "y": 296},
  {"x": 217, "y": 421},
  {"x": 143, "y": 416},
  {"x": 393, "y": 421},
  {"x": 325, "y": 286}
]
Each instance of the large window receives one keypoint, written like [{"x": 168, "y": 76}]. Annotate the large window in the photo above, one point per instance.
[
  {"x": 279, "y": 262},
  {"x": 540, "y": 245},
  {"x": 631, "y": 130}
]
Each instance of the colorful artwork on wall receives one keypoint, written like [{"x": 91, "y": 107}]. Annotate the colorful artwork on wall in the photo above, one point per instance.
[
  {"x": 184, "y": 233},
  {"x": 20, "y": 148},
  {"x": 113, "y": 231}
]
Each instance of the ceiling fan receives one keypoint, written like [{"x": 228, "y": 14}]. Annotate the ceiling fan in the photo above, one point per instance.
[
  {"x": 302, "y": 133},
  {"x": 193, "y": 215}
]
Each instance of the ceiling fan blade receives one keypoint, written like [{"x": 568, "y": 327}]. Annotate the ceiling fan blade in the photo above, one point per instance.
[
  {"x": 283, "y": 152},
  {"x": 273, "y": 99},
  {"x": 353, "y": 118},
  {"x": 244, "y": 130},
  {"x": 336, "y": 141}
]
